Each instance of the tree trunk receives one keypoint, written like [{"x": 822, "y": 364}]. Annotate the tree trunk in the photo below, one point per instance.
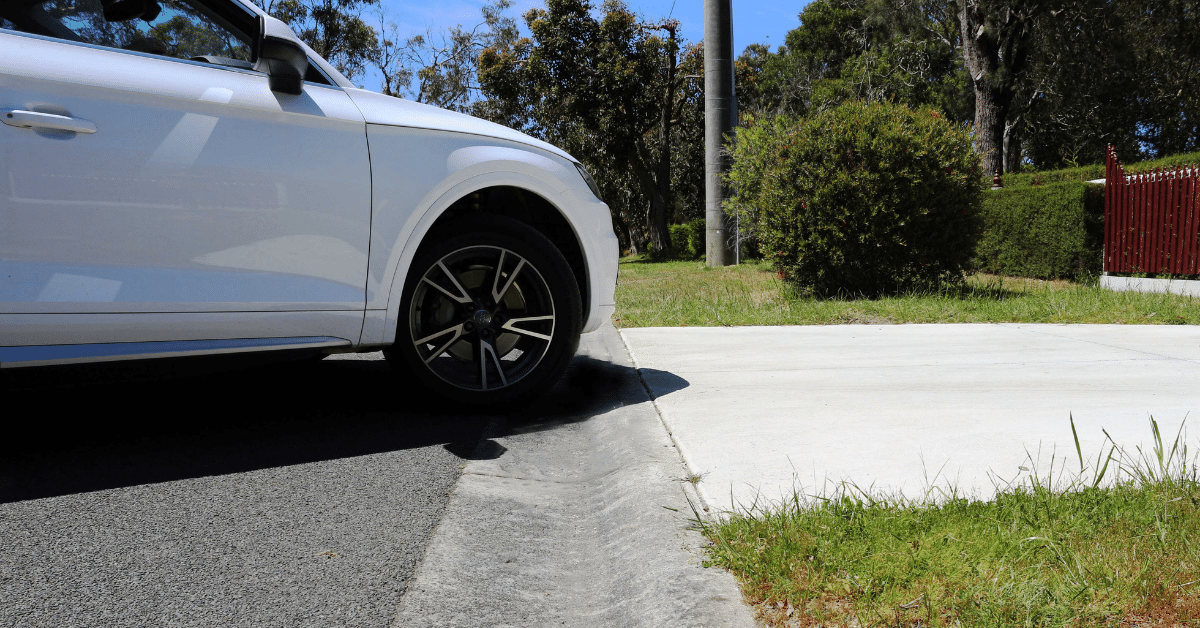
[
  {"x": 652, "y": 186},
  {"x": 1012, "y": 146},
  {"x": 660, "y": 199},
  {"x": 624, "y": 234},
  {"x": 656, "y": 219},
  {"x": 989, "y": 129},
  {"x": 993, "y": 67}
]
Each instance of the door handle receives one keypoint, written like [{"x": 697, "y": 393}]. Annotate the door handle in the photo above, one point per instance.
[{"x": 39, "y": 120}]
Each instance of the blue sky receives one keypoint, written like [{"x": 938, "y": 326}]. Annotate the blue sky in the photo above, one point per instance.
[{"x": 762, "y": 21}]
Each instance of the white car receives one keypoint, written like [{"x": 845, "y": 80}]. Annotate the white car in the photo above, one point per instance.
[{"x": 186, "y": 177}]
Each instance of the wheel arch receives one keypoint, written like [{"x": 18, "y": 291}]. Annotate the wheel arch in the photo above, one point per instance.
[
  {"x": 528, "y": 207},
  {"x": 516, "y": 195}
]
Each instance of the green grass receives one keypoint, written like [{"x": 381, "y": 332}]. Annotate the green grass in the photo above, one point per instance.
[
  {"x": 1121, "y": 549},
  {"x": 673, "y": 294}
]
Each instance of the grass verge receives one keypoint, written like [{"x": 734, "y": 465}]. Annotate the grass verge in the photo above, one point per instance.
[
  {"x": 1117, "y": 544},
  {"x": 672, "y": 294}
]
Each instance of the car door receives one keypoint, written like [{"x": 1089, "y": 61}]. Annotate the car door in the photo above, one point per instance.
[{"x": 151, "y": 193}]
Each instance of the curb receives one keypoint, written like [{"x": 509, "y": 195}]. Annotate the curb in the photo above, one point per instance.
[{"x": 575, "y": 512}]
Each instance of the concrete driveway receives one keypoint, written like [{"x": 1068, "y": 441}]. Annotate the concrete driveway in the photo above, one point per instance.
[{"x": 761, "y": 412}]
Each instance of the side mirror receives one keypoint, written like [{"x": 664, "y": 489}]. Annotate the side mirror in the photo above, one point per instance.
[{"x": 278, "y": 56}]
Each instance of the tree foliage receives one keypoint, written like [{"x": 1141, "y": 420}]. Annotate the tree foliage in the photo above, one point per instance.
[
  {"x": 610, "y": 90},
  {"x": 1046, "y": 82},
  {"x": 441, "y": 68},
  {"x": 1166, "y": 45}
]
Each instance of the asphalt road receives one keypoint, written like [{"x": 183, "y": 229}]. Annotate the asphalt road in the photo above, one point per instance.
[{"x": 178, "y": 495}]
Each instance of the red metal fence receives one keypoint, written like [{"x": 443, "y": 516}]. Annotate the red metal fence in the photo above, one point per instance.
[{"x": 1151, "y": 219}]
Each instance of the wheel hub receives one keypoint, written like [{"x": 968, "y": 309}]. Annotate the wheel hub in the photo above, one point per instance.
[{"x": 482, "y": 318}]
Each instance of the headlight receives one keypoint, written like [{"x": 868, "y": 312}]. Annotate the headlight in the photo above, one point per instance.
[{"x": 590, "y": 181}]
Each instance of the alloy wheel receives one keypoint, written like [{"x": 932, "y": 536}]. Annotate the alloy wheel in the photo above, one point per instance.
[{"x": 481, "y": 318}]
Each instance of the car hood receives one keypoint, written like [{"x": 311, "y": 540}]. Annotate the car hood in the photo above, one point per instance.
[{"x": 389, "y": 110}]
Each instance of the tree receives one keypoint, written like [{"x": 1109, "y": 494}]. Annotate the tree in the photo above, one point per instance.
[
  {"x": 1166, "y": 44},
  {"x": 1049, "y": 77},
  {"x": 445, "y": 64},
  {"x": 608, "y": 90},
  {"x": 687, "y": 135},
  {"x": 810, "y": 61},
  {"x": 1044, "y": 81},
  {"x": 1079, "y": 92},
  {"x": 911, "y": 56},
  {"x": 1085, "y": 73},
  {"x": 1046, "y": 66},
  {"x": 995, "y": 49}
]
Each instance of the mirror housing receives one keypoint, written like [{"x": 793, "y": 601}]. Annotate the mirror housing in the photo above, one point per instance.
[{"x": 279, "y": 56}]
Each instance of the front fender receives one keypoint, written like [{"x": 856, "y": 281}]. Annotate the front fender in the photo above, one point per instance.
[
  {"x": 406, "y": 250},
  {"x": 406, "y": 204}
]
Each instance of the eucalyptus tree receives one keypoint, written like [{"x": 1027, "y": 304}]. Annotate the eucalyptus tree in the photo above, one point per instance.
[
  {"x": 608, "y": 88},
  {"x": 441, "y": 68}
]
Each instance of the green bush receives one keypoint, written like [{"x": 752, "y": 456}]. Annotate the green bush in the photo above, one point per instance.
[
  {"x": 1048, "y": 231},
  {"x": 863, "y": 199},
  {"x": 688, "y": 239}
]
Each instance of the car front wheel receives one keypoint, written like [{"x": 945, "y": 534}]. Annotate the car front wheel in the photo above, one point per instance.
[{"x": 490, "y": 315}]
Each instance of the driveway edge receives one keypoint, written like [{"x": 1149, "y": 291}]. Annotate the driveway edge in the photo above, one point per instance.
[{"x": 693, "y": 471}]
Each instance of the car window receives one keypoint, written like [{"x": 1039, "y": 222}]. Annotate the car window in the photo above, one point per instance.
[{"x": 171, "y": 28}]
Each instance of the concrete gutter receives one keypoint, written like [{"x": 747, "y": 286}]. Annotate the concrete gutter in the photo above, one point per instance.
[{"x": 574, "y": 513}]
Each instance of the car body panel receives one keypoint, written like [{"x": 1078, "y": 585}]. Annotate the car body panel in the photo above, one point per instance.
[
  {"x": 391, "y": 111},
  {"x": 49, "y": 355},
  {"x": 202, "y": 190},
  {"x": 54, "y": 329}
]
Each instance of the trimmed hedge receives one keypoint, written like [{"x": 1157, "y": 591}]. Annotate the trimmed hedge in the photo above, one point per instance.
[
  {"x": 862, "y": 199},
  {"x": 1048, "y": 231},
  {"x": 1090, "y": 172},
  {"x": 1050, "y": 225}
]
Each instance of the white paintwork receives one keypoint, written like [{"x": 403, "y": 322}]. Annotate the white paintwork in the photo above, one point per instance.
[
  {"x": 206, "y": 206},
  {"x": 386, "y": 110},
  {"x": 760, "y": 412},
  {"x": 1187, "y": 287},
  {"x": 199, "y": 191}
]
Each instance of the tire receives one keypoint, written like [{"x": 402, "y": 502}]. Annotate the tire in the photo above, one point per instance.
[{"x": 490, "y": 315}]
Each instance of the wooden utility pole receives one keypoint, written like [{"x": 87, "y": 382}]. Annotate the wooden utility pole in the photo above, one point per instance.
[{"x": 719, "y": 111}]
